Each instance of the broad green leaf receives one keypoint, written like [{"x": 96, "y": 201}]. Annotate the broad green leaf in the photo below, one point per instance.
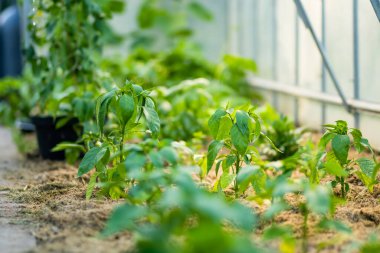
[
  {"x": 170, "y": 155},
  {"x": 367, "y": 166},
  {"x": 214, "y": 122},
  {"x": 245, "y": 176},
  {"x": 90, "y": 159},
  {"x": 325, "y": 139},
  {"x": 341, "y": 145},
  {"x": 239, "y": 140},
  {"x": 124, "y": 217},
  {"x": 125, "y": 108},
  {"x": 226, "y": 179},
  {"x": 200, "y": 11},
  {"x": 333, "y": 167},
  {"x": 101, "y": 108},
  {"x": 224, "y": 128},
  {"x": 152, "y": 120},
  {"x": 242, "y": 121},
  {"x": 134, "y": 161},
  {"x": 318, "y": 199},
  {"x": 213, "y": 150},
  {"x": 228, "y": 162},
  {"x": 156, "y": 159}
]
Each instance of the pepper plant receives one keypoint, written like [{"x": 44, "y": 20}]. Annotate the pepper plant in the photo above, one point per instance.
[
  {"x": 337, "y": 160},
  {"x": 236, "y": 130},
  {"x": 128, "y": 105}
]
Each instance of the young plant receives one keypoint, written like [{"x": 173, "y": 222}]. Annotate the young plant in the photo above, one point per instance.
[
  {"x": 236, "y": 131},
  {"x": 184, "y": 218},
  {"x": 337, "y": 160},
  {"x": 128, "y": 105}
]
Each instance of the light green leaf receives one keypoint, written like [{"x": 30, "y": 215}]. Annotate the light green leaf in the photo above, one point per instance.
[
  {"x": 224, "y": 128},
  {"x": 334, "y": 168},
  {"x": 213, "y": 150},
  {"x": 367, "y": 166},
  {"x": 214, "y": 122},
  {"x": 318, "y": 199},
  {"x": 226, "y": 179},
  {"x": 124, "y": 218},
  {"x": 152, "y": 120},
  {"x": 91, "y": 185},
  {"x": 134, "y": 161},
  {"x": 341, "y": 145},
  {"x": 170, "y": 155},
  {"x": 200, "y": 11}
]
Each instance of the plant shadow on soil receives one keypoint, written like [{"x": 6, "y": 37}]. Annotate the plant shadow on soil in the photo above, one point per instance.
[{"x": 53, "y": 204}]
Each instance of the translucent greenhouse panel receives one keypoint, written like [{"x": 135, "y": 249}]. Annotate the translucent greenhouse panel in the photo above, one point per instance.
[
  {"x": 369, "y": 43},
  {"x": 212, "y": 36},
  {"x": 310, "y": 59}
]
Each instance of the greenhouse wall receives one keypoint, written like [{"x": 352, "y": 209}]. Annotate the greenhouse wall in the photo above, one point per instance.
[{"x": 272, "y": 33}]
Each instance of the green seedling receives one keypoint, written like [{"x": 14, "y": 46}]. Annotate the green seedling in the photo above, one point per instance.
[
  {"x": 339, "y": 163},
  {"x": 236, "y": 131}
]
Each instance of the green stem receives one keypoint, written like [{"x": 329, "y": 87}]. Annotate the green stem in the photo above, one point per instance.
[
  {"x": 237, "y": 168},
  {"x": 305, "y": 230},
  {"x": 343, "y": 191},
  {"x": 121, "y": 147}
]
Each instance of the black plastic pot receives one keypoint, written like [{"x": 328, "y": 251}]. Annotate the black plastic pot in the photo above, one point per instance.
[{"x": 48, "y": 135}]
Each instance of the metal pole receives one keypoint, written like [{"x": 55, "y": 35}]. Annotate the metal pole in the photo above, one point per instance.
[
  {"x": 297, "y": 65},
  {"x": 274, "y": 50},
  {"x": 356, "y": 59},
  {"x": 376, "y": 7},
  {"x": 305, "y": 19},
  {"x": 324, "y": 80}
]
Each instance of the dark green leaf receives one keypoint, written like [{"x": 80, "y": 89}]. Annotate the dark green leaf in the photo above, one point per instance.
[
  {"x": 152, "y": 120},
  {"x": 239, "y": 140},
  {"x": 90, "y": 159},
  {"x": 214, "y": 122},
  {"x": 125, "y": 108},
  {"x": 341, "y": 145}
]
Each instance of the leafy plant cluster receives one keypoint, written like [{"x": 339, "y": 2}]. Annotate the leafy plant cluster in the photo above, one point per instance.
[{"x": 149, "y": 146}]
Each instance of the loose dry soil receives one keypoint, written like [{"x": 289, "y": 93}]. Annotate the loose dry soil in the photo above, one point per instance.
[{"x": 43, "y": 209}]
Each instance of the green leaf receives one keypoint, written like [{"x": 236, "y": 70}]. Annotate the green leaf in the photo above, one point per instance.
[
  {"x": 134, "y": 161},
  {"x": 101, "y": 109},
  {"x": 170, "y": 155},
  {"x": 152, "y": 120},
  {"x": 200, "y": 11},
  {"x": 367, "y": 166},
  {"x": 318, "y": 199},
  {"x": 90, "y": 159},
  {"x": 91, "y": 185},
  {"x": 239, "y": 140},
  {"x": 123, "y": 218},
  {"x": 242, "y": 121},
  {"x": 341, "y": 145},
  {"x": 224, "y": 128},
  {"x": 213, "y": 150},
  {"x": 214, "y": 122},
  {"x": 334, "y": 225},
  {"x": 245, "y": 176},
  {"x": 334, "y": 168},
  {"x": 66, "y": 145},
  {"x": 325, "y": 139},
  {"x": 226, "y": 179},
  {"x": 125, "y": 108}
]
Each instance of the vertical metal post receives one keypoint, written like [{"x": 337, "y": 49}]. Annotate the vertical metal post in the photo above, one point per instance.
[
  {"x": 356, "y": 58},
  {"x": 256, "y": 45},
  {"x": 274, "y": 50},
  {"x": 297, "y": 65},
  {"x": 324, "y": 77}
]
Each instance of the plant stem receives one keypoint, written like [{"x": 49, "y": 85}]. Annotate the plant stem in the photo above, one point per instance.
[
  {"x": 237, "y": 168},
  {"x": 305, "y": 230},
  {"x": 121, "y": 147},
  {"x": 343, "y": 191}
]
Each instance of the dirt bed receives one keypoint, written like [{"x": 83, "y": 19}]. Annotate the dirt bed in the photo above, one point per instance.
[{"x": 52, "y": 205}]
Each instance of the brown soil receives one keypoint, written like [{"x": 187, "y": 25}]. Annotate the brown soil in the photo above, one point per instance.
[
  {"x": 52, "y": 204},
  {"x": 56, "y": 211}
]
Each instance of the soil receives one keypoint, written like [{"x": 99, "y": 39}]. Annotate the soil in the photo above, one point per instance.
[{"x": 47, "y": 211}]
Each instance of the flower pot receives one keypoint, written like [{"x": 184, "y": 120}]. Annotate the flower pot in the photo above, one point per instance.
[{"x": 48, "y": 135}]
